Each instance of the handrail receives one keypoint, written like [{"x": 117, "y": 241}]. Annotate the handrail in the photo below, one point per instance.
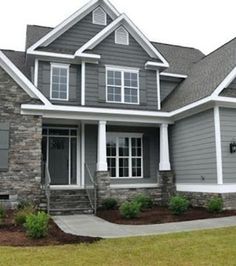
[
  {"x": 47, "y": 186},
  {"x": 92, "y": 198}
]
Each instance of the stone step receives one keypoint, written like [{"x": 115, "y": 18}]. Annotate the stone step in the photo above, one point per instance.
[
  {"x": 69, "y": 205},
  {"x": 71, "y": 211},
  {"x": 78, "y": 192}
]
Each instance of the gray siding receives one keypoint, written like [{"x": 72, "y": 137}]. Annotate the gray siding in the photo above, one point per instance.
[
  {"x": 76, "y": 36},
  {"x": 74, "y": 86},
  {"x": 193, "y": 149},
  {"x": 228, "y": 134},
  {"x": 151, "y": 151},
  {"x": 230, "y": 91},
  {"x": 133, "y": 56},
  {"x": 168, "y": 85}
]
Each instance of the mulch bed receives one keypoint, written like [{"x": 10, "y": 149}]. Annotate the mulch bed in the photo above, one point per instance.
[
  {"x": 159, "y": 215},
  {"x": 13, "y": 235}
]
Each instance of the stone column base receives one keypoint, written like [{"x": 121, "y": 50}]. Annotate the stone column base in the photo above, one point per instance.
[
  {"x": 167, "y": 185},
  {"x": 103, "y": 186}
]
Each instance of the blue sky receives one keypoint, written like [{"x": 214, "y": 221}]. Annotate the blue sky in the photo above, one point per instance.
[{"x": 203, "y": 24}]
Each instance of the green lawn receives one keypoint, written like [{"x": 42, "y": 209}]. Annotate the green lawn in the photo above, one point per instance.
[{"x": 212, "y": 247}]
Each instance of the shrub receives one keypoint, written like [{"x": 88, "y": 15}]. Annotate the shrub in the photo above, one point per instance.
[
  {"x": 21, "y": 214},
  {"x": 215, "y": 205},
  {"x": 37, "y": 225},
  {"x": 130, "y": 210},
  {"x": 109, "y": 204},
  {"x": 2, "y": 213},
  {"x": 25, "y": 204},
  {"x": 144, "y": 201},
  {"x": 178, "y": 205}
]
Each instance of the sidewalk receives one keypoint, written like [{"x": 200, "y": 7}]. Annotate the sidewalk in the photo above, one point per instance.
[{"x": 89, "y": 225}]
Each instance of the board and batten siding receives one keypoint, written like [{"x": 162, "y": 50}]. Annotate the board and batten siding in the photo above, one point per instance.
[
  {"x": 132, "y": 56},
  {"x": 150, "y": 152},
  {"x": 76, "y": 36},
  {"x": 228, "y": 134},
  {"x": 193, "y": 152},
  {"x": 44, "y": 79}
]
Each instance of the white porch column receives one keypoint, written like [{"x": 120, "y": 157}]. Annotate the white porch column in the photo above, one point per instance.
[
  {"x": 102, "y": 150},
  {"x": 83, "y": 83},
  {"x": 164, "y": 149}
]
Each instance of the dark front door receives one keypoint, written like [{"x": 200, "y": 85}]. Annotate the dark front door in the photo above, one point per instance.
[{"x": 59, "y": 160}]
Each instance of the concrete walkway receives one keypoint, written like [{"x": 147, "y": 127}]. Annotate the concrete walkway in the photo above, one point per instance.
[{"x": 89, "y": 225}]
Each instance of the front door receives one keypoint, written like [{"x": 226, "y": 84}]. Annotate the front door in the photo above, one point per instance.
[{"x": 59, "y": 148}]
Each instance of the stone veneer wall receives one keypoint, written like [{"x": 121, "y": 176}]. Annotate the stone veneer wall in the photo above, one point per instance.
[{"x": 22, "y": 179}]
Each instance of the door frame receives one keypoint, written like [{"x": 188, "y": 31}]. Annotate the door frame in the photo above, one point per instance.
[{"x": 78, "y": 155}]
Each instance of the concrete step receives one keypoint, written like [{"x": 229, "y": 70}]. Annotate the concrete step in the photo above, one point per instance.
[{"x": 71, "y": 211}]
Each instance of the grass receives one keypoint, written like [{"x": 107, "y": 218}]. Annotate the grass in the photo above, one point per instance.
[{"x": 211, "y": 247}]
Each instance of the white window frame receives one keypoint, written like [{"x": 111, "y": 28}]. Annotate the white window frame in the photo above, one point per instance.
[
  {"x": 127, "y": 36},
  {"x": 105, "y": 14},
  {"x": 118, "y": 135},
  {"x": 64, "y": 66},
  {"x": 123, "y": 70}
]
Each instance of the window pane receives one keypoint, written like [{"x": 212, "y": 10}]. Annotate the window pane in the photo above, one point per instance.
[
  {"x": 131, "y": 95},
  {"x": 59, "y": 83},
  {"x": 56, "y": 71},
  {"x": 113, "y": 94}
]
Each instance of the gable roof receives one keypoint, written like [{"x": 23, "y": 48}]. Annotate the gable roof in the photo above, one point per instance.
[
  {"x": 72, "y": 20},
  {"x": 204, "y": 78},
  {"x": 135, "y": 32},
  {"x": 19, "y": 77}
]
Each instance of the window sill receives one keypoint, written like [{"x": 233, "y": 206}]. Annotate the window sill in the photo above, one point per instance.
[{"x": 120, "y": 186}]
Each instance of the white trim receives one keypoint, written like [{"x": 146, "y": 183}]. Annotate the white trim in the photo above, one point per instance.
[
  {"x": 127, "y": 36},
  {"x": 36, "y": 72},
  {"x": 133, "y": 186},
  {"x": 135, "y": 32},
  {"x": 153, "y": 65},
  {"x": 158, "y": 90},
  {"x": 218, "y": 145},
  {"x": 101, "y": 148},
  {"x": 72, "y": 20},
  {"x": 21, "y": 79},
  {"x": 207, "y": 188},
  {"x": 83, "y": 75},
  {"x": 50, "y": 54},
  {"x": 78, "y": 162},
  {"x": 65, "y": 187},
  {"x": 82, "y": 168},
  {"x": 63, "y": 66},
  {"x": 105, "y": 16},
  {"x": 122, "y": 86},
  {"x": 173, "y": 75},
  {"x": 164, "y": 149}
]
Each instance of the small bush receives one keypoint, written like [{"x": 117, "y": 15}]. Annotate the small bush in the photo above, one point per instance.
[
  {"x": 109, "y": 204},
  {"x": 37, "y": 225},
  {"x": 178, "y": 205},
  {"x": 215, "y": 205},
  {"x": 25, "y": 204},
  {"x": 144, "y": 201},
  {"x": 21, "y": 214},
  {"x": 130, "y": 210},
  {"x": 2, "y": 213}
]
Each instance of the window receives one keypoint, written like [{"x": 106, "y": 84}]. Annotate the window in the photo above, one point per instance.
[
  {"x": 122, "y": 36},
  {"x": 99, "y": 16},
  {"x": 125, "y": 155},
  {"x": 59, "y": 82},
  {"x": 122, "y": 86}
]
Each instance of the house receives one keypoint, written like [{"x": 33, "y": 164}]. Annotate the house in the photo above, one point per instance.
[{"x": 92, "y": 106}]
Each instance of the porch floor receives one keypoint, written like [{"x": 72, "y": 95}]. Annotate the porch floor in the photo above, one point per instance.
[{"x": 90, "y": 225}]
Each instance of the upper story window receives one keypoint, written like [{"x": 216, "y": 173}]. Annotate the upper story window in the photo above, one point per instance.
[
  {"x": 59, "y": 82},
  {"x": 99, "y": 16},
  {"x": 122, "y": 85},
  {"x": 122, "y": 36}
]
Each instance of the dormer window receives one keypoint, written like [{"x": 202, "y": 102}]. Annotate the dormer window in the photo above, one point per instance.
[
  {"x": 122, "y": 36},
  {"x": 99, "y": 16}
]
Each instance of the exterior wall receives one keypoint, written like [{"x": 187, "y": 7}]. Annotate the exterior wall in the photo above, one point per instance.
[
  {"x": 230, "y": 91},
  {"x": 228, "y": 134},
  {"x": 132, "y": 56},
  {"x": 22, "y": 179},
  {"x": 151, "y": 152},
  {"x": 193, "y": 149},
  {"x": 44, "y": 80},
  {"x": 167, "y": 86},
  {"x": 76, "y": 36}
]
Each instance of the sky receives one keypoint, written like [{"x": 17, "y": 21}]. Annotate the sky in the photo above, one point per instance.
[{"x": 203, "y": 24}]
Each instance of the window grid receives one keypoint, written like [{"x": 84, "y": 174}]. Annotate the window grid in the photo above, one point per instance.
[
  {"x": 128, "y": 91},
  {"x": 59, "y": 82},
  {"x": 126, "y": 159}
]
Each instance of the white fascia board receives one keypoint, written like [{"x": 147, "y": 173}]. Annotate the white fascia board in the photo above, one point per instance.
[
  {"x": 206, "y": 188},
  {"x": 21, "y": 79},
  {"x": 49, "y": 54},
  {"x": 73, "y": 19},
  {"x": 223, "y": 99},
  {"x": 137, "y": 34},
  {"x": 173, "y": 75},
  {"x": 154, "y": 65}
]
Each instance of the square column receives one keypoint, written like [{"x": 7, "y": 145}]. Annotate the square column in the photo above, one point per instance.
[
  {"x": 102, "y": 149},
  {"x": 164, "y": 149}
]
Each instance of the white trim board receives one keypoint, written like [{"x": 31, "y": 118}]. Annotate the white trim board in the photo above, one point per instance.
[
  {"x": 21, "y": 79},
  {"x": 207, "y": 188},
  {"x": 72, "y": 20},
  {"x": 123, "y": 186}
]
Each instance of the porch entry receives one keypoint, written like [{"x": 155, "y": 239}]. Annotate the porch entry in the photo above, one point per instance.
[{"x": 59, "y": 147}]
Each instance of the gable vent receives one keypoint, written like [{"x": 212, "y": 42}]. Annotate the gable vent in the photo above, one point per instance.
[
  {"x": 122, "y": 36},
  {"x": 99, "y": 16}
]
